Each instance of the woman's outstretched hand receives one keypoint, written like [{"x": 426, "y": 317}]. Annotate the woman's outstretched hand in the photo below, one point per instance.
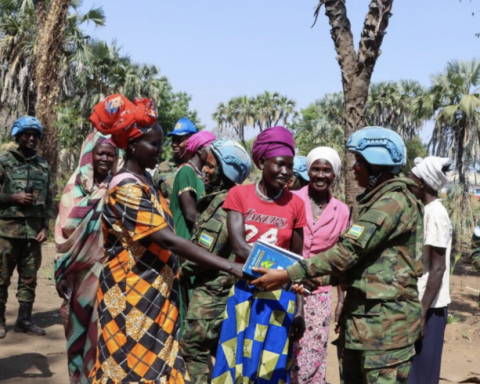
[
  {"x": 271, "y": 280},
  {"x": 300, "y": 289}
]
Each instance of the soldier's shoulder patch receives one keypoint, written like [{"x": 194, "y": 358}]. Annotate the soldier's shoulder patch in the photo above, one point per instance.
[
  {"x": 355, "y": 232},
  {"x": 205, "y": 240}
]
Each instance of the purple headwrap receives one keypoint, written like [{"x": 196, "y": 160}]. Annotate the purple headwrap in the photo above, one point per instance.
[
  {"x": 199, "y": 139},
  {"x": 273, "y": 142}
]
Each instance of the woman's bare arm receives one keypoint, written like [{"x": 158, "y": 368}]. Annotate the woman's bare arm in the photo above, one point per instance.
[{"x": 236, "y": 233}]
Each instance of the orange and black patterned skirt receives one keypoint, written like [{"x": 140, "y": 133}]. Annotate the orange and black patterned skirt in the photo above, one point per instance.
[{"x": 137, "y": 295}]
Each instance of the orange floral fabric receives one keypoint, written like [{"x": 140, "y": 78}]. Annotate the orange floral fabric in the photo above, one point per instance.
[{"x": 124, "y": 120}]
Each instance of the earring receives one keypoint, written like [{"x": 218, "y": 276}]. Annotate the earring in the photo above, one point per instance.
[{"x": 133, "y": 151}]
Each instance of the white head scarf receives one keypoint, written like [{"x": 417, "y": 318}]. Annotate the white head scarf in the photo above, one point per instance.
[
  {"x": 430, "y": 171},
  {"x": 325, "y": 153}
]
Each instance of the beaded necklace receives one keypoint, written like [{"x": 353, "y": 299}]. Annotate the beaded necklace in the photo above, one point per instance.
[
  {"x": 320, "y": 204},
  {"x": 195, "y": 168},
  {"x": 266, "y": 198}
]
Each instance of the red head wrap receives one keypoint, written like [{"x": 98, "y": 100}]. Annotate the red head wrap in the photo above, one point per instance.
[{"x": 124, "y": 120}]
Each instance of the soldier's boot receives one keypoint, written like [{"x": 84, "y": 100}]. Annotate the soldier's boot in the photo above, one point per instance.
[
  {"x": 24, "y": 321},
  {"x": 3, "y": 324}
]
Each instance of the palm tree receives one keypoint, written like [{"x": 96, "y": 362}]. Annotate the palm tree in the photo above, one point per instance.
[
  {"x": 18, "y": 38},
  {"x": 286, "y": 110},
  {"x": 143, "y": 80},
  {"x": 235, "y": 116},
  {"x": 266, "y": 110},
  {"x": 392, "y": 105},
  {"x": 263, "y": 111},
  {"x": 454, "y": 102},
  {"x": 321, "y": 125}
]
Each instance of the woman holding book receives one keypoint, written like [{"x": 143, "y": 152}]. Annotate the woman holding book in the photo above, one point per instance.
[
  {"x": 327, "y": 217},
  {"x": 258, "y": 327},
  {"x": 378, "y": 261}
]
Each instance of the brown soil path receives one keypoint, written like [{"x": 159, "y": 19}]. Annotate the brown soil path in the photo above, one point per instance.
[{"x": 42, "y": 360}]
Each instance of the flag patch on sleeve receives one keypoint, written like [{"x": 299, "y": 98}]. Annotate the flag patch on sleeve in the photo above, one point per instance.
[
  {"x": 355, "y": 232},
  {"x": 205, "y": 240}
]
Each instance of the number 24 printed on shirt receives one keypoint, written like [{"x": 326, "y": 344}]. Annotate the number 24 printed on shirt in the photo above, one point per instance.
[{"x": 270, "y": 237}]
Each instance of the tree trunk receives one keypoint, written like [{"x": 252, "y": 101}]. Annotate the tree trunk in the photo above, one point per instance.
[
  {"x": 31, "y": 92},
  {"x": 47, "y": 68},
  {"x": 356, "y": 68},
  {"x": 460, "y": 139}
]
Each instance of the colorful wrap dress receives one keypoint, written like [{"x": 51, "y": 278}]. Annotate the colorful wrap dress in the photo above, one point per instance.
[
  {"x": 138, "y": 291},
  {"x": 80, "y": 256}
]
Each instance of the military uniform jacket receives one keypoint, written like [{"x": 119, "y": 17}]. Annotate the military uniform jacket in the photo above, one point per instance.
[
  {"x": 17, "y": 172},
  {"x": 475, "y": 255},
  {"x": 210, "y": 287},
  {"x": 378, "y": 261}
]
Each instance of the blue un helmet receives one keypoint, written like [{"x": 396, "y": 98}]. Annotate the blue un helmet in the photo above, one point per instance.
[
  {"x": 300, "y": 167},
  {"x": 379, "y": 146},
  {"x": 235, "y": 161},
  {"x": 24, "y": 123},
  {"x": 183, "y": 127}
]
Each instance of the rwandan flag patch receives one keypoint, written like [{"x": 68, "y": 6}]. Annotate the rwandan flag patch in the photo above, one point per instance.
[
  {"x": 205, "y": 240},
  {"x": 355, "y": 232}
]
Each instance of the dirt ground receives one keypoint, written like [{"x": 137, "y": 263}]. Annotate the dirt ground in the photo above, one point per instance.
[{"x": 42, "y": 360}]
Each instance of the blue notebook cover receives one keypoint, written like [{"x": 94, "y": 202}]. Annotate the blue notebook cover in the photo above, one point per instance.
[{"x": 269, "y": 256}]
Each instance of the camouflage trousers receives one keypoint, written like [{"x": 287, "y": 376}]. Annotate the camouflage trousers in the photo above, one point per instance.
[
  {"x": 26, "y": 256},
  {"x": 374, "y": 367},
  {"x": 199, "y": 342}
]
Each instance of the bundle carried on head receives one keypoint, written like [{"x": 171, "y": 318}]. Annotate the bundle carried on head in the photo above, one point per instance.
[
  {"x": 123, "y": 120},
  {"x": 273, "y": 142},
  {"x": 198, "y": 140},
  {"x": 432, "y": 170}
]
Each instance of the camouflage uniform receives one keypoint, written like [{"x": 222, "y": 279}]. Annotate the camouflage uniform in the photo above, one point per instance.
[
  {"x": 210, "y": 288},
  {"x": 377, "y": 261},
  {"x": 164, "y": 176},
  {"x": 475, "y": 255},
  {"x": 19, "y": 224}
]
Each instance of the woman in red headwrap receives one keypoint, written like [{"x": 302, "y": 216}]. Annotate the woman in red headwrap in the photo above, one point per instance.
[
  {"x": 138, "y": 288},
  {"x": 255, "y": 343}
]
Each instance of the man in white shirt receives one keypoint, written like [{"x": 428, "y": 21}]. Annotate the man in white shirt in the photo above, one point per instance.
[{"x": 434, "y": 285}]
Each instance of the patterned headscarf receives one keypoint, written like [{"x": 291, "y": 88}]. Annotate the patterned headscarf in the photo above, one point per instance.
[
  {"x": 78, "y": 226},
  {"x": 124, "y": 120},
  {"x": 273, "y": 142}
]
